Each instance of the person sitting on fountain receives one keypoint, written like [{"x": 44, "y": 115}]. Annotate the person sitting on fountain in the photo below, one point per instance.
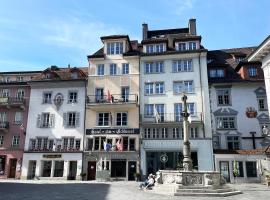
[{"x": 148, "y": 183}]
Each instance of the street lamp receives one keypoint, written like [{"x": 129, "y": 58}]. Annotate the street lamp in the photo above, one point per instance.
[{"x": 187, "y": 162}]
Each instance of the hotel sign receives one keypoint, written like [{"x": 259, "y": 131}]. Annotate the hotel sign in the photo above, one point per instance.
[{"x": 112, "y": 131}]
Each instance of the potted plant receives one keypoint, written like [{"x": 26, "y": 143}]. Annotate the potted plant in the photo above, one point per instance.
[
  {"x": 251, "y": 112},
  {"x": 137, "y": 176},
  {"x": 83, "y": 175}
]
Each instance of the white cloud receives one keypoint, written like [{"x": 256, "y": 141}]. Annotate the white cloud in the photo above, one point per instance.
[
  {"x": 77, "y": 34},
  {"x": 180, "y": 6}
]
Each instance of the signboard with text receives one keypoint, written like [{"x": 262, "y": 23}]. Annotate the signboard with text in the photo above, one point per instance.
[{"x": 112, "y": 131}]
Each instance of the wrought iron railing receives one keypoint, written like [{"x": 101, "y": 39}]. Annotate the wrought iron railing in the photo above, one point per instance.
[
  {"x": 112, "y": 99},
  {"x": 4, "y": 125}
]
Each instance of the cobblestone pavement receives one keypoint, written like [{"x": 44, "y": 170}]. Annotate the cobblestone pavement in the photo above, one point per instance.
[{"x": 59, "y": 190}]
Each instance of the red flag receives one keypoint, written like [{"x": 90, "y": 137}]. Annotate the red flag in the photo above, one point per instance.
[{"x": 119, "y": 144}]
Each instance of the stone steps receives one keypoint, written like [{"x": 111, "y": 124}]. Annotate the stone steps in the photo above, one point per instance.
[
  {"x": 203, "y": 190},
  {"x": 207, "y": 194}
]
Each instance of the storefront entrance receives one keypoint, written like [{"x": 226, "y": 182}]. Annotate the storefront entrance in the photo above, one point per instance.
[
  {"x": 118, "y": 168},
  {"x": 173, "y": 161},
  {"x": 225, "y": 170},
  {"x": 31, "y": 169},
  {"x": 12, "y": 168},
  {"x": 91, "y": 175},
  {"x": 2, "y": 164},
  {"x": 72, "y": 170},
  {"x": 131, "y": 170}
]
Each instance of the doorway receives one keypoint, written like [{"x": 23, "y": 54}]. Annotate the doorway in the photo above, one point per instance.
[
  {"x": 91, "y": 175},
  {"x": 31, "y": 169},
  {"x": 12, "y": 168},
  {"x": 131, "y": 170},
  {"x": 72, "y": 170},
  {"x": 225, "y": 170},
  {"x": 118, "y": 168}
]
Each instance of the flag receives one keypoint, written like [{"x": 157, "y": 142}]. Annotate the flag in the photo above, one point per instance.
[
  {"x": 157, "y": 116},
  {"x": 109, "y": 97},
  {"x": 119, "y": 144},
  {"x": 107, "y": 146}
]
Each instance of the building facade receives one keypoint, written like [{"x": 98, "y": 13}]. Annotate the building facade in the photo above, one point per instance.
[
  {"x": 14, "y": 102},
  {"x": 112, "y": 114},
  {"x": 239, "y": 111},
  {"x": 172, "y": 63},
  {"x": 54, "y": 135}
]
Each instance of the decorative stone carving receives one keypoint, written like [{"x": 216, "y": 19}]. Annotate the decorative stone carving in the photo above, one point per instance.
[
  {"x": 193, "y": 179},
  {"x": 158, "y": 178},
  {"x": 58, "y": 100}
]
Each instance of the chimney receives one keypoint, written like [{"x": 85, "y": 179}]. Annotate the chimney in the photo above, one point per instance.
[
  {"x": 144, "y": 31},
  {"x": 192, "y": 26}
]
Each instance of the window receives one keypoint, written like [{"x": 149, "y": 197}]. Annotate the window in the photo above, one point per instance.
[
  {"x": 99, "y": 94},
  {"x": 226, "y": 123},
  {"x": 191, "y": 108},
  {"x": 18, "y": 117},
  {"x": 100, "y": 69},
  {"x": 121, "y": 119},
  {"x": 154, "y": 67},
  {"x": 45, "y": 143},
  {"x": 20, "y": 94},
  {"x": 216, "y": 73},
  {"x": 216, "y": 142},
  {"x": 96, "y": 143},
  {"x": 65, "y": 143},
  {"x": 194, "y": 132},
  {"x": 74, "y": 75},
  {"x": 223, "y": 96},
  {"x": 103, "y": 119},
  {"x": 46, "y": 169},
  {"x": 51, "y": 143},
  {"x": 32, "y": 144},
  {"x": 149, "y": 110},
  {"x": 71, "y": 119},
  {"x": 47, "y": 97},
  {"x": 251, "y": 169},
  {"x": 155, "y": 48},
  {"x": 77, "y": 144},
  {"x": 192, "y": 45},
  {"x": 183, "y": 46},
  {"x": 7, "y": 79},
  {"x": 262, "y": 104},
  {"x": 177, "y": 111},
  {"x": 164, "y": 133},
  {"x": 183, "y": 86},
  {"x": 147, "y": 133},
  {"x": 176, "y": 133},
  {"x": 233, "y": 142},
  {"x": 159, "y": 112},
  {"x": 182, "y": 66},
  {"x": 15, "y": 141},
  {"x": 72, "y": 97},
  {"x": 159, "y": 87},
  {"x": 5, "y": 93},
  {"x": 90, "y": 143},
  {"x": 125, "y": 68},
  {"x": 237, "y": 167},
  {"x": 1, "y": 140},
  {"x": 2, "y": 164},
  {"x": 45, "y": 120},
  {"x": 132, "y": 143},
  {"x": 114, "y": 48},
  {"x": 125, "y": 93},
  {"x": 113, "y": 69},
  {"x": 58, "y": 168},
  {"x": 238, "y": 59},
  {"x": 252, "y": 71},
  {"x": 39, "y": 143},
  {"x": 155, "y": 133}
]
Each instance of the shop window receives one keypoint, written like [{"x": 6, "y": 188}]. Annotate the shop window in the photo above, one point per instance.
[
  {"x": 2, "y": 164},
  {"x": 46, "y": 171},
  {"x": 96, "y": 143},
  {"x": 238, "y": 169},
  {"x": 58, "y": 168}
]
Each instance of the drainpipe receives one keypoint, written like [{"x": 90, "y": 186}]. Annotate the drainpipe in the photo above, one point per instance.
[
  {"x": 201, "y": 92},
  {"x": 84, "y": 130}
]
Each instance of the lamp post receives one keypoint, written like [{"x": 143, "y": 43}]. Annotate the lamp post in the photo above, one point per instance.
[{"x": 187, "y": 162}]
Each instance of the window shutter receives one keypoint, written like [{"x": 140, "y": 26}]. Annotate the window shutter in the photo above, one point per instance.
[
  {"x": 51, "y": 120},
  {"x": 39, "y": 121},
  {"x": 77, "y": 119},
  {"x": 65, "y": 119}
]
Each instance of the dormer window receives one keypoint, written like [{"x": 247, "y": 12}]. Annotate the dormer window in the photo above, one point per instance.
[
  {"x": 185, "y": 46},
  {"x": 114, "y": 48},
  {"x": 252, "y": 71},
  {"x": 7, "y": 79},
  {"x": 20, "y": 78},
  {"x": 216, "y": 73},
  {"x": 48, "y": 76},
  {"x": 155, "y": 48},
  {"x": 238, "y": 59},
  {"x": 74, "y": 75}
]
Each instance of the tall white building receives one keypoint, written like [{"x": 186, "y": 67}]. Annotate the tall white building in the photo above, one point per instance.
[
  {"x": 173, "y": 62},
  {"x": 238, "y": 111},
  {"x": 55, "y": 129}
]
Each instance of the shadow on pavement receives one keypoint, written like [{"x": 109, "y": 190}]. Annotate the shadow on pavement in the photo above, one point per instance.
[{"x": 20, "y": 191}]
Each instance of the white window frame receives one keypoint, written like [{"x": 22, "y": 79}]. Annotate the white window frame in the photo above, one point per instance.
[
  {"x": 100, "y": 70},
  {"x": 125, "y": 68},
  {"x": 113, "y": 69},
  {"x": 103, "y": 118},
  {"x": 1, "y": 140},
  {"x": 72, "y": 97},
  {"x": 221, "y": 120},
  {"x": 122, "y": 122},
  {"x": 18, "y": 117},
  {"x": 15, "y": 141}
]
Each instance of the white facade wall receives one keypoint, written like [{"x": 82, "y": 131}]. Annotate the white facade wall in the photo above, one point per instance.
[{"x": 266, "y": 71}]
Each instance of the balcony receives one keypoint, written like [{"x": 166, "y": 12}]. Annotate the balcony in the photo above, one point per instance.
[
  {"x": 112, "y": 101},
  {"x": 9, "y": 102},
  {"x": 170, "y": 118},
  {"x": 56, "y": 149},
  {"x": 4, "y": 126}
]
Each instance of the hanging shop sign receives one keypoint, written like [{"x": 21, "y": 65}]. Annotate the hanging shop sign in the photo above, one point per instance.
[
  {"x": 113, "y": 131},
  {"x": 52, "y": 156}
]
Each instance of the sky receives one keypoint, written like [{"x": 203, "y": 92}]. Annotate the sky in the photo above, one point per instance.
[{"x": 35, "y": 34}]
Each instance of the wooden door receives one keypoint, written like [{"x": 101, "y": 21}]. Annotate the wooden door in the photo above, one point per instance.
[
  {"x": 91, "y": 175},
  {"x": 72, "y": 170},
  {"x": 12, "y": 167}
]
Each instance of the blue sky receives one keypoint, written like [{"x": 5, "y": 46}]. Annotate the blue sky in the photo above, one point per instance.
[{"x": 35, "y": 34}]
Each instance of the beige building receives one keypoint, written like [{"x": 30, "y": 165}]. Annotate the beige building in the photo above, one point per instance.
[{"x": 112, "y": 114}]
